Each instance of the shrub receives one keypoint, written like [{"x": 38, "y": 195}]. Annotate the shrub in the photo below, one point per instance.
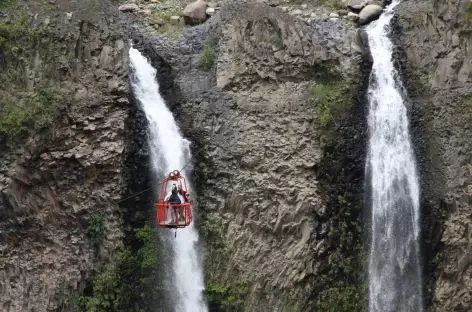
[
  {"x": 468, "y": 12},
  {"x": 206, "y": 58},
  {"x": 347, "y": 298},
  {"x": 21, "y": 114},
  {"x": 223, "y": 298},
  {"x": 131, "y": 282},
  {"x": 96, "y": 229},
  {"x": 331, "y": 100}
]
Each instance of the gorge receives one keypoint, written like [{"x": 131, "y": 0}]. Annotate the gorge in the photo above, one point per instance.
[{"x": 276, "y": 106}]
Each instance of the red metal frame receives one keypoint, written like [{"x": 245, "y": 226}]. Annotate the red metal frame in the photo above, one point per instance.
[{"x": 166, "y": 213}]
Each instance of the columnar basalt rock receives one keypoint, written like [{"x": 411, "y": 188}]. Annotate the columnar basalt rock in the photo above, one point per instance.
[
  {"x": 435, "y": 38},
  {"x": 60, "y": 178},
  {"x": 259, "y": 197}
]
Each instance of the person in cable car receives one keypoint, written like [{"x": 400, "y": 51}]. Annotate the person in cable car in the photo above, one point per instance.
[
  {"x": 183, "y": 194},
  {"x": 174, "y": 199}
]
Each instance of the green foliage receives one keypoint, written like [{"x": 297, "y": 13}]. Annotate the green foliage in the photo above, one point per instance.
[
  {"x": 7, "y": 3},
  {"x": 346, "y": 298},
  {"x": 96, "y": 229},
  {"x": 211, "y": 229},
  {"x": 130, "y": 282},
  {"x": 164, "y": 14},
  {"x": 332, "y": 100},
  {"x": 17, "y": 32},
  {"x": 171, "y": 28},
  {"x": 148, "y": 254},
  {"x": 225, "y": 299},
  {"x": 335, "y": 4},
  {"x": 22, "y": 114},
  {"x": 206, "y": 58},
  {"x": 468, "y": 12}
]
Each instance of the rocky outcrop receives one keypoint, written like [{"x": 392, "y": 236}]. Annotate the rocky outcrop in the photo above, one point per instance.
[
  {"x": 242, "y": 81},
  {"x": 435, "y": 38},
  {"x": 62, "y": 178},
  {"x": 195, "y": 12}
]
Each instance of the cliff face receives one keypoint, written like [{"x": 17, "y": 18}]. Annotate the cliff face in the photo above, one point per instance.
[
  {"x": 60, "y": 179},
  {"x": 240, "y": 87},
  {"x": 436, "y": 39}
]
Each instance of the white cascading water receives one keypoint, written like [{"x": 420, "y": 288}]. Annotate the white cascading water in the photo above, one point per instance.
[
  {"x": 395, "y": 283},
  {"x": 169, "y": 151}
]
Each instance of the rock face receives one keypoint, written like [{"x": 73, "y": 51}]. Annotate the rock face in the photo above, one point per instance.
[
  {"x": 257, "y": 172},
  {"x": 60, "y": 179},
  {"x": 436, "y": 41},
  {"x": 369, "y": 13},
  {"x": 195, "y": 12}
]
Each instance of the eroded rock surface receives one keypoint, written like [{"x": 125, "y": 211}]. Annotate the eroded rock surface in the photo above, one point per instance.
[
  {"x": 436, "y": 38},
  {"x": 54, "y": 183},
  {"x": 259, "y": 194}
]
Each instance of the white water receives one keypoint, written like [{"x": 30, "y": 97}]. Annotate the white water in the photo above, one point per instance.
[
  {"x": 394, "y": 266},
  {"x": 169, "y": 151}
]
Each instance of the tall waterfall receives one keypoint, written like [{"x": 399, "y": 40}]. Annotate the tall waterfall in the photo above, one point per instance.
[
  {"x": 395, "y": 283},
  {"x": 169, "y": 151}
]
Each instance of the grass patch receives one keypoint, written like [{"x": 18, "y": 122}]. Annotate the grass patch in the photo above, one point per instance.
[
  {"x": 7, "y": 3},
  {"x": 332, "y": 100},
  {"x": 335, "y": 4},
  {"x": 164, "y": 14},
  {"x": 171, "y": 28},
  {"x": 22, "y": 114},
  {"x": 207, "y": 58},
  {"x": 468, "y": 13}
]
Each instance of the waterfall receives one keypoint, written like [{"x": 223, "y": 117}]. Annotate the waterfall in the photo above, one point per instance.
[
  {"x": 395, "y": 283},
  {"x": 169, "y": 151}
]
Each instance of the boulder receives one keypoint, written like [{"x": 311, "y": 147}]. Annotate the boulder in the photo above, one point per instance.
[
  {"x": 356, "y": 5},
  {"x": 130, "y": 7},
  {"x": 195, "y": 12},
  {"x": 369, "y": 13},
  {"x": 174, "y": 19},
  {"x": 353, "y": 16},
  {"x": 210, "y": 11}
]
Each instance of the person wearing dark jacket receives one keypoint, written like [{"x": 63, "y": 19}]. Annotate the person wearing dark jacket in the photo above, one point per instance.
[{"x": 175, "y": 200}]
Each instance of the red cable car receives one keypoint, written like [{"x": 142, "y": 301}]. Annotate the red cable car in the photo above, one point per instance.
[{"x": 171, "y": 215}]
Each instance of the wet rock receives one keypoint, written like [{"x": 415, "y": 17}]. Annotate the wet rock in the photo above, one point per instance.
[
  {"x": 4, "y": 17},
  {"x": 441, "y": 88},
  {"x": 195, "y": 12},
  {"x": 369, "y": 13}
]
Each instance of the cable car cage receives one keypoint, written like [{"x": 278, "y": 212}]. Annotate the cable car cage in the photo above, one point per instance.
[{"x": 173, "y": 215}]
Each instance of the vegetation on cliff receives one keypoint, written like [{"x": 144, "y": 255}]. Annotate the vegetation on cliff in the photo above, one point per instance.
[
  {"x": 130, "y": 282},
  {"x": 342, "y": 174},
  {"x": 24, "y": 108}
]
